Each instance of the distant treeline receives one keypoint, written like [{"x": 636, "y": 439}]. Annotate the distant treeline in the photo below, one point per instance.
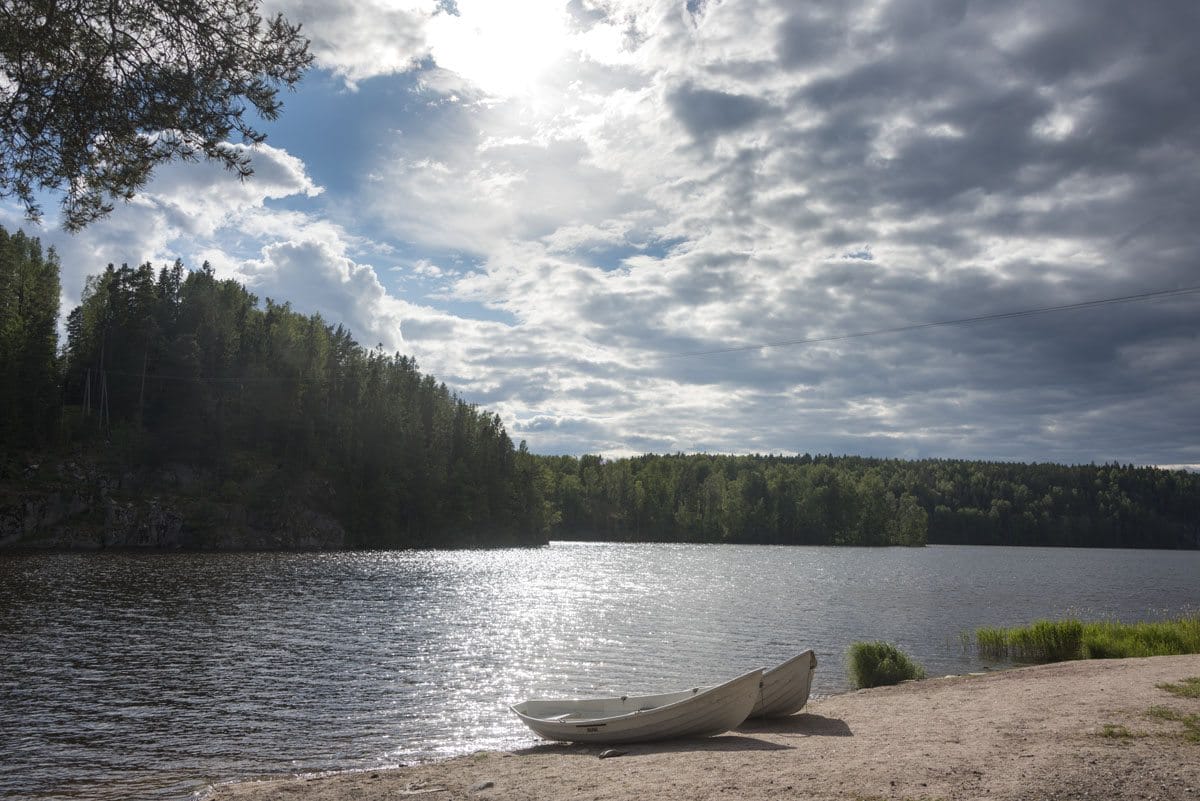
[
  {"x": 702, "y": 498},
  {"x": 846, "y": 500},
  {"x": 174, "y": 366},
  {"x": 177, "y": 366}
]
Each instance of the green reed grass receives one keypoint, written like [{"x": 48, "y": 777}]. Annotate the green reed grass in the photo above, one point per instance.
[
  {"x": 991, "y": 642},
  {"x": 1118, "y": 640},
  {"x": 874, "y": 664},
  {"x": 1061, "y": 640}
]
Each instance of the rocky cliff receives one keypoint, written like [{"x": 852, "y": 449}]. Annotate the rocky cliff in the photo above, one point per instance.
[{"x": 75, "y": 504}]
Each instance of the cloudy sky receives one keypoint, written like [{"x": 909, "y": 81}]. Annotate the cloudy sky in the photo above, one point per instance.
[{"x": 584, "y": 215}]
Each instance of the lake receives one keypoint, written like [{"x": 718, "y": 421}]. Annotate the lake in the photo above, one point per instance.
[{"x": 153, "y": 676}]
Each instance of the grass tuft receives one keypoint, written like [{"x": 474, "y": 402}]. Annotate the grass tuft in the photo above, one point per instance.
[
  {"x": 1115, "y": 731},
  {"x": 874, "y": 664},
  {"x": 1191, "y": 723},
  {"x": 1187, "y": 688},
  {"x": 1162, "y": 713}
]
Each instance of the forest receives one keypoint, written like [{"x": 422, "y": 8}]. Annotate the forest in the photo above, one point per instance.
[
  {"x": 850, "y": 500},
  {"x": 169, "y": 366},
  {"x": 178, "y": 366}
]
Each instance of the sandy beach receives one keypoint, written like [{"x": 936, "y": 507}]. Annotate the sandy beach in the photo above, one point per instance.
[{"x": 1030, "y": 733}]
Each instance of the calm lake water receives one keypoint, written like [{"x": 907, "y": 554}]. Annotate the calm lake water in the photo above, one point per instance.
[{"x": 126, "y": 676}]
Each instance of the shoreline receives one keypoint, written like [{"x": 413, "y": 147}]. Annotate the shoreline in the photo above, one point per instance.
[{"x": 1068, "y": 730}]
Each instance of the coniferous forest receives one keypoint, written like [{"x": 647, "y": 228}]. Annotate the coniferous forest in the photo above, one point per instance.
[
  {"x": 849, "y": 500},
  {"x": 264, "y": 410},
  {"x": 181, "y": 403}
]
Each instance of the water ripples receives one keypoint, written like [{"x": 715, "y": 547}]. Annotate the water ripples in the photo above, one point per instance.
[{"x": 126, "y": 676}]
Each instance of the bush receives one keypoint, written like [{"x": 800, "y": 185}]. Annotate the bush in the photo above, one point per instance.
[{"x": 874, "y": 664}]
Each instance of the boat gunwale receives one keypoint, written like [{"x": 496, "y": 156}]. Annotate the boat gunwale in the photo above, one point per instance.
[
  {"x": 696, "y": 692},
  {"x": 790, "y": 662}
]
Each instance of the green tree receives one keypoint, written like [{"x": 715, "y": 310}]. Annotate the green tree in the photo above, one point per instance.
[
  {"x": 286, "y": 409},
  {"x": 97, "y": 93},
  {"x": 910, "y": 525},
  {"x": 29, "y": 301}
]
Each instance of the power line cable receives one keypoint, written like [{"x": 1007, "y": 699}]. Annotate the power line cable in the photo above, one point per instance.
[{"x": 1087, "y": 304}]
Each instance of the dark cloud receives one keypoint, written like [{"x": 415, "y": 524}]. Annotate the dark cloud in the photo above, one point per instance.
[
  {"x": 1081, "y": 40},
  {"x": 809, "y": 36},
  {"x": 708, "y": 113},
  {"x": 988, "y": 159},
  {"x": 827, "y": 170},
  {"x": 911, "y": 20}
]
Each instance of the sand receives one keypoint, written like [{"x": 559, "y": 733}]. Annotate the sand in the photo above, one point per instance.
[{"x": 1029, "y": 733}]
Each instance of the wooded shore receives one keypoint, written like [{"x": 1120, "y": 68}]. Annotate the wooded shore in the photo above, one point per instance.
[{"x": 183, "y": 413}]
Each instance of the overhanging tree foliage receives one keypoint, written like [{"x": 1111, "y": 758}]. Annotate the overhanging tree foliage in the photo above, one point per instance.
[{"x": 94, "y": 94}]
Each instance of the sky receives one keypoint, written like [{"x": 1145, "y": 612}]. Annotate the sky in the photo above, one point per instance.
[{"x": 586, "y": 216}]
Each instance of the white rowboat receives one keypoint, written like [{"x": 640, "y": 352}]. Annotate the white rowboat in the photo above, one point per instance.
[
  {"x": 698, "y": 712},
  {"x": 785, "y": 687}
]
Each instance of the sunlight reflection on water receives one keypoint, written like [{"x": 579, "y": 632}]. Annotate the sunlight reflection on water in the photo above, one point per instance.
[{"x": 149, "y": 676}]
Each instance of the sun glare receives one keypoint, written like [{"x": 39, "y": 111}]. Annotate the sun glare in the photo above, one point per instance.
[{"x": 503, "y": 48}]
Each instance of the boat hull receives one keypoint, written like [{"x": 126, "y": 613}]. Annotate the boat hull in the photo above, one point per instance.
[
  {"x": 697, "y": 712},
  {"x": 785, "y": 687}
]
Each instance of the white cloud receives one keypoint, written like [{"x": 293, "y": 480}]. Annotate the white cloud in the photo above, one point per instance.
[
  {"x": 653, "y": 183},
  {"x": 201, "y": 198},
  {"x": 198, "y": 213},
  {"x": 317, "y": 276},
  {"x": 361, "y": 39},
  {"x": 184, "y": 210},
  {"x": 768, "y": 146}
]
